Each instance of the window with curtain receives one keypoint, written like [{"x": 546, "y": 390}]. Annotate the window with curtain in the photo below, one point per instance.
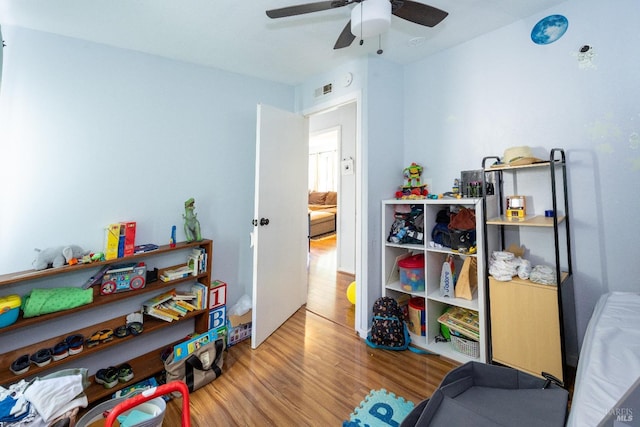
[{"x": 323, "y": 160}]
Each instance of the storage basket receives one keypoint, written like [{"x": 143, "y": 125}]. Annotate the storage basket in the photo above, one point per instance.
[
  {"x": 156, "y": 406},
  {"x": 469, "y": 347}
]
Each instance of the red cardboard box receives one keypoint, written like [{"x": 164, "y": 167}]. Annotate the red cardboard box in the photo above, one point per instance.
[{"x": 129, "y": 237}]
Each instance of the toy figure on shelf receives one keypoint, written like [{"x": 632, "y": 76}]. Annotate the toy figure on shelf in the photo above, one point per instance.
[
  {"x": 191, "y": 223},
  {"x": 413, "y": 187},
  {"x": 412, "y": 175}
]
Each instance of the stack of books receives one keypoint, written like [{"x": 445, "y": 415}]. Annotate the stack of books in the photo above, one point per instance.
[
  {"x": 197, "y": 261},
  {"x": 463, "y": 321},
  {"x": 170, "y": 306},
  {"x": 196, "y": 264},
  {"x": 201, "y": 293},
  {"x": 176, "y": 273}
]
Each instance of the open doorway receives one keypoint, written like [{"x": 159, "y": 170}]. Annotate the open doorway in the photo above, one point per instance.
[{"x": 332, "y": 158}]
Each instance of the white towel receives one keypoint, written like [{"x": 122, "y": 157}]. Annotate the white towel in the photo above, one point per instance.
[{"x": 52, "y": 395}]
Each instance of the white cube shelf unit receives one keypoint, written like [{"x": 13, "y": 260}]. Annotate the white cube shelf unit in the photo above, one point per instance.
[{"x": 435, "y": 304}]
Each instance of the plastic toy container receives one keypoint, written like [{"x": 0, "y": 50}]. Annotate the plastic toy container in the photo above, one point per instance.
[
  {"x": 9, "y": 309},
  {"x": 412, "y": 273},
  {"x": 153, "y": 411}
]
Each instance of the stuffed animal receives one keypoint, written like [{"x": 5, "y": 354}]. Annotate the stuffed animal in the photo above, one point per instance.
[{"x": 56, "y": 257}]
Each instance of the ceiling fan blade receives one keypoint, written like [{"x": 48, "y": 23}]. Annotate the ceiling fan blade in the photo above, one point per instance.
[
  {"x": 345, "y": 38},
  {"x": 305, "y": 8},
  {"x": 418, "y": 13}
]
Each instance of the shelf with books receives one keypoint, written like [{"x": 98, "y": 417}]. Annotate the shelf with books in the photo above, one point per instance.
[
  {"x": 39, "y": 326},
  {"x": 168, "y": 307},
  {"x": 22, "y": 276},
  {"x": 99, "y": 300}
]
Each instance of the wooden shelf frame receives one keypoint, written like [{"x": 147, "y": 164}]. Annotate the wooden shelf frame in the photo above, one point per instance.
[
  {"x": 22, "y": 276},
  {"x": 145, "y": 365},
  {"x": 100, "y": 300},
  {"x": 527, "y": 221},
  {"x": 151, "y": 324}
]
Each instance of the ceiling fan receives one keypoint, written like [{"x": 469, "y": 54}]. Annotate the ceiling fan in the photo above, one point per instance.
[{"x": 369, "y": 17}]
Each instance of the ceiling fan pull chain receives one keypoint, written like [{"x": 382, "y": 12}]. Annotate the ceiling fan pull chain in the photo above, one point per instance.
[
  {"x": 361, "y": 39},
  {"x": 379, "y": 52}
]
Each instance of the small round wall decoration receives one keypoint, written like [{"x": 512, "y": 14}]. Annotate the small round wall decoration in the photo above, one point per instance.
[{"x": 549, "y": 29}]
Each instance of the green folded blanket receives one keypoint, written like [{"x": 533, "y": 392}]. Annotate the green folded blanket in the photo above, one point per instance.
[{"x": 43, "y": 301}]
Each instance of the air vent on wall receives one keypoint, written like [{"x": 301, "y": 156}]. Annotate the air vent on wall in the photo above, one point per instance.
[{"x": 324, "y": 90}]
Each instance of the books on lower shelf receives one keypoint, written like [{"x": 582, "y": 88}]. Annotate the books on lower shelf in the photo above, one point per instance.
[
  {"x": 168, "y": 306},
  {"x": 463, "y": 321},
  {"x": 176, "y": 273},
  {"x": 201, "y": 292},
  {"x": 196, "y": 264}
]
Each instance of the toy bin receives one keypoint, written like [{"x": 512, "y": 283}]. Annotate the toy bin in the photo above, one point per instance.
[
  {"x": 149, "y": 414},
  {"x": 9, "y": 309},
  {"x": 412, "y": 273},
  {"x": 417, "y": 319}
]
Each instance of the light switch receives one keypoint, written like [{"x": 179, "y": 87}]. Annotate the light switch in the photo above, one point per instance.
[{"x": 347, "y": 167}]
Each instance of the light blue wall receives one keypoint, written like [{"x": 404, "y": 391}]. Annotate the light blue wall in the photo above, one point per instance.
[
  {"x": 502, "y": 90},
  {"x": 91, "y": 135},
  {"x": 384, "y": 144},
  {"x": 306, "y": 98}
]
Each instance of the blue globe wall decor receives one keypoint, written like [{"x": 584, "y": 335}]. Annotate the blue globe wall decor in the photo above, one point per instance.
[{"x": 549, "y": 29}]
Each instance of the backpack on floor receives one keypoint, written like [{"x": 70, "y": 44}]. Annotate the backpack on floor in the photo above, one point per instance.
[{"x": 388, "y": 329}]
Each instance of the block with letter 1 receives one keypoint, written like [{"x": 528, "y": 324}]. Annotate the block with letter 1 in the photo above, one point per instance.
[{"x": 217, "y": 294}]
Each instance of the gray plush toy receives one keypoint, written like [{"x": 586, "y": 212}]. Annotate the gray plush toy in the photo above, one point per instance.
[{"x": 56, "y": 257}]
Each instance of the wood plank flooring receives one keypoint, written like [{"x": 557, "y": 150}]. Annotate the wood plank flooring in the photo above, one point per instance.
[
  {"x": 327, "y": 295},
  {"x": 313, "y": 371}
]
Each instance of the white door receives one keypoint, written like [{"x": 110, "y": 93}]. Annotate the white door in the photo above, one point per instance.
[{"x": 281, "y": 228}]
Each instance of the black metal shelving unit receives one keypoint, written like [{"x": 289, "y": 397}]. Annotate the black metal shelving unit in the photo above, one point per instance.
[{"x": 559, "y": 222}]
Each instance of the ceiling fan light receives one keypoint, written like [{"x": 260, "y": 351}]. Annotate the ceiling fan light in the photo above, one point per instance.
[{"x": 370, "y": 18}]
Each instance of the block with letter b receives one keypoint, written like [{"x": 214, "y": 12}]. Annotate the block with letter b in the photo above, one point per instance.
[{"x": 218, "y": 317}]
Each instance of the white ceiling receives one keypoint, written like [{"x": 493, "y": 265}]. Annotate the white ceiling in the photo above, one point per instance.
[{"x": 236, "y": 35}]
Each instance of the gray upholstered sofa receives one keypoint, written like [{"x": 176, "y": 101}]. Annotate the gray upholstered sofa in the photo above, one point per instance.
[{"x": 323, "y": 209}]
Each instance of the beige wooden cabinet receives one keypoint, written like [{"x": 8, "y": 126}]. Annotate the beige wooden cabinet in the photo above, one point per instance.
[{"x": 525, "y": 326}]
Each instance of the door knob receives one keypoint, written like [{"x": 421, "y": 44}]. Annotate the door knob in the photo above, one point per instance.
[{"x": 264, "y": 221}]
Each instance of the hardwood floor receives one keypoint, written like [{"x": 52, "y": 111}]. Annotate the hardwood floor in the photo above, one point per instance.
[
  {"x": 313, "y": 371},
  {"x": 327, "y": 295}
]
